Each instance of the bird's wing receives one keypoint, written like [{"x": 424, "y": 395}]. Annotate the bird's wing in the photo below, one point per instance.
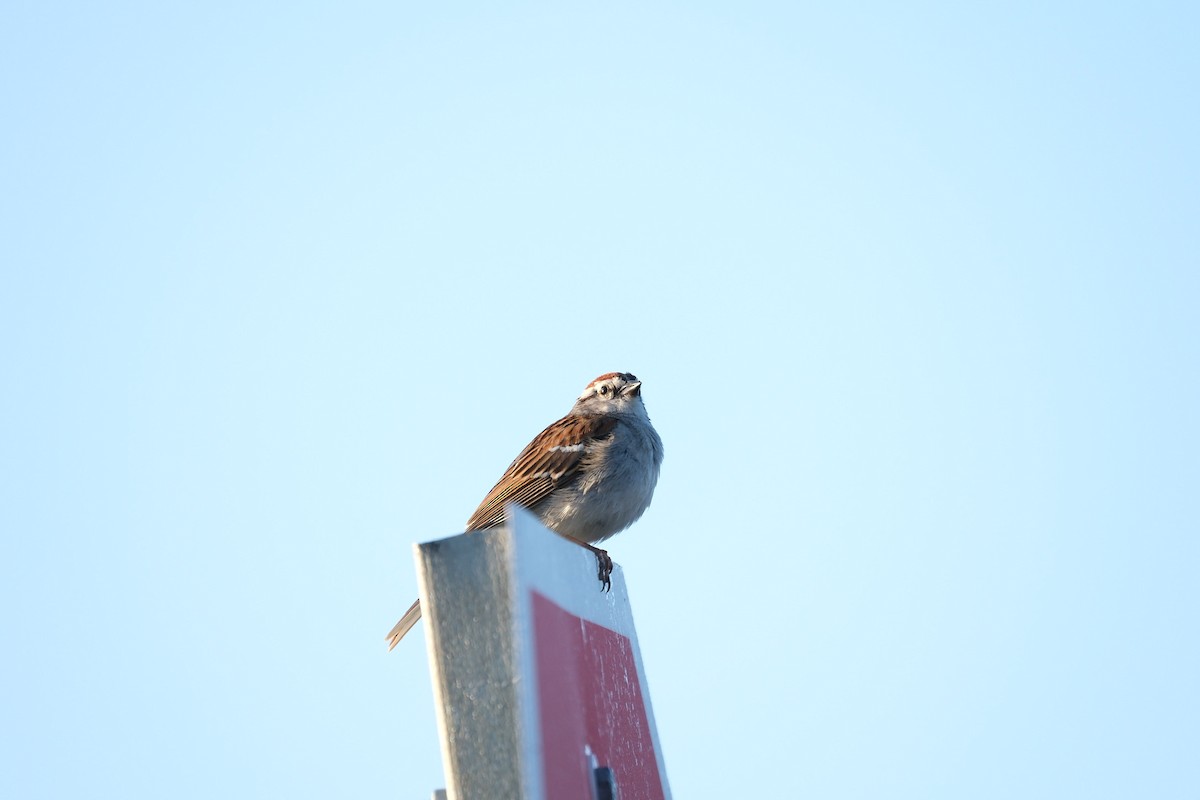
[{"x": 551, "y": 460}]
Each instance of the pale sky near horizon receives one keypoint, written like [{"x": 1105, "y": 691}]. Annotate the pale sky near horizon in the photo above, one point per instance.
[{"x": 913, "y": 292}]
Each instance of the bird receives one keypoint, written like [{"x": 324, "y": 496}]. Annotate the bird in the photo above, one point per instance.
[{"x": 587, "y": 476}]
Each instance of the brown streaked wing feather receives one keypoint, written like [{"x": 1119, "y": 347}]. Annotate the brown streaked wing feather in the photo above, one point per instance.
[{"x": 526, "y": 483}]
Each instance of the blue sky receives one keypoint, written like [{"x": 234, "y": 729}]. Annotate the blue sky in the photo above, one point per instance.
[{"x": 913, "y": 292}]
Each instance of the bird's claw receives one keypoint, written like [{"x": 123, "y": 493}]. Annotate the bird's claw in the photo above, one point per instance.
[{"x": 605, "y": 565}]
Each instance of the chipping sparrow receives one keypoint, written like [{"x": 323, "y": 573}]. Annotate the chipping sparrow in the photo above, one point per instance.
[{"x": 588, "y": 476}]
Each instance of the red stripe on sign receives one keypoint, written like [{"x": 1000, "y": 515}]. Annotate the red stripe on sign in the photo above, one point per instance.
[{"x": 590, "y": 697}]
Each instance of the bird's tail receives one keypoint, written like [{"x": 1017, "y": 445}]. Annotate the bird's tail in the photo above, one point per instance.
[{"x": 405, "y": 624}]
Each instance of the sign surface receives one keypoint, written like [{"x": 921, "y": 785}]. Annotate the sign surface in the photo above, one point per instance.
[{"x": 592, "y": 711}]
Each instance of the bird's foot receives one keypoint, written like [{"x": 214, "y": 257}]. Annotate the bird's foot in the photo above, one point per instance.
[{"x": 604, "y": 566}]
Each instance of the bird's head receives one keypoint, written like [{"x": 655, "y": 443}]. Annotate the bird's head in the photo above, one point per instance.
[{"x": 612, "y": 393}]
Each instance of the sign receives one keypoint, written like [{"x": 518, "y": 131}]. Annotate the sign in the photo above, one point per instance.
[{"x": 540, "y": 686}]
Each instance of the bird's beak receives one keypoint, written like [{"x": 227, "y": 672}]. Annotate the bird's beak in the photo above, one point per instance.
[{"x": 632, "y": 389}]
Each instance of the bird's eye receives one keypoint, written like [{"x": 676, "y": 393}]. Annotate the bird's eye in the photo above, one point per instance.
[{"x": 604, "y": 390}]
